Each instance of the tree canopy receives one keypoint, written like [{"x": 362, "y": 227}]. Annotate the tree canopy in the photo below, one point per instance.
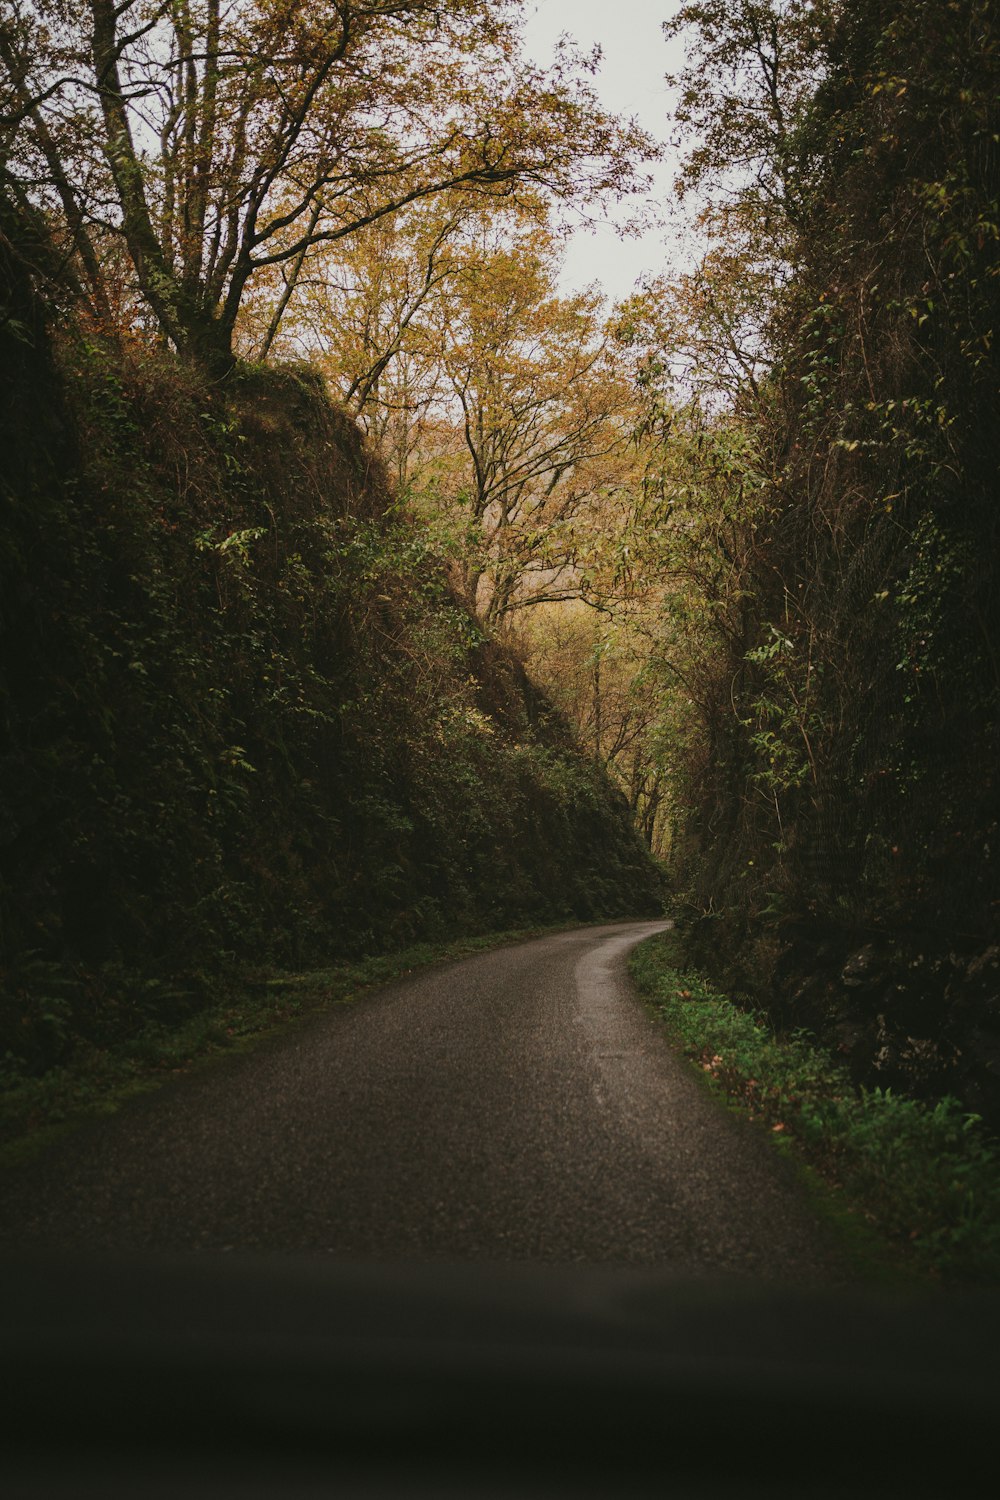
[{"x": 215, "y": 141}]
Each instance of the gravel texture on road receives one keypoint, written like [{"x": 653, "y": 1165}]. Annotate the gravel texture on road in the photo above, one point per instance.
[{"x": 519, "y": 1105}]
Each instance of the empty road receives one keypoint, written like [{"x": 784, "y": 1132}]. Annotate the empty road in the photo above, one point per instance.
[{"x": 519, "y": 1105}]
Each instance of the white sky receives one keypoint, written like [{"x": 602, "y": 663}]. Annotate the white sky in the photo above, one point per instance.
[{"x": 630, "y": 83}]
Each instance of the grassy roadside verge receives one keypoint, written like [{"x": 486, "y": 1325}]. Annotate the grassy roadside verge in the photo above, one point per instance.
[
  {"x": 925, "y": 1177},
  {"x": 36, "y": 1111}
]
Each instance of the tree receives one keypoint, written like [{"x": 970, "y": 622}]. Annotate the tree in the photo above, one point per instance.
[
  {"x": 542, "y": 414},
  {"x": 238, "y": 136},
  {"x": 362, "y": 314},
  {"x": 742, "y": 101},
  {"x": 749, "y": 73},
  {"x": 596, "y": 667}
]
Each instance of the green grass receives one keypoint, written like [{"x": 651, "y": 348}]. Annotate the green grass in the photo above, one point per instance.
[
  {"x": 34, "y": 1111},
  {"x": 926, "y": 1177}
]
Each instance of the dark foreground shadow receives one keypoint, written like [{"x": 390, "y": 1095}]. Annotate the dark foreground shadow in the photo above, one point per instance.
[{"x": 225, "y": 1376}]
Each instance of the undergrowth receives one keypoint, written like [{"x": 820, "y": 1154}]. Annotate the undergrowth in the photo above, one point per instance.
[{"x": 926, "y": 1176}]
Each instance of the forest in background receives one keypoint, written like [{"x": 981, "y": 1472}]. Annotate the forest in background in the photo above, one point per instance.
[{"x": 741, "y": 529}]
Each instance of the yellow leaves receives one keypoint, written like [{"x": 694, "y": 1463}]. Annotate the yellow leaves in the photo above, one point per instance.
[
  {"x": 889, "y": 84},
  {"x": 458, "y": 720}
]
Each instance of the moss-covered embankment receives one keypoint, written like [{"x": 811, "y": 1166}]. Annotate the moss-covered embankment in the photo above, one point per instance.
[{"x": 243, "y": 720}]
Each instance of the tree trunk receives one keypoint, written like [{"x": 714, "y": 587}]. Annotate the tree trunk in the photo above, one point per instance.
[{"x": 191, "y": 327}]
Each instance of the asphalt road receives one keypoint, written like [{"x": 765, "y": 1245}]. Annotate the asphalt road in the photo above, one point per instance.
[{"x": 520, "y": 1105}]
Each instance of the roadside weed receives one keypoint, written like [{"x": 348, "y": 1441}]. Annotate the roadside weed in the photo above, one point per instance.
[{"x": 926, "y": 1176}]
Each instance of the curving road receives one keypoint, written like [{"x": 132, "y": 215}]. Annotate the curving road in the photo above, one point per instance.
[{"x": 517, "y": 1105}]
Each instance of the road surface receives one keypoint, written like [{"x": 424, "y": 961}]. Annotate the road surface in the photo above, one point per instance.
[{"x": 519, "y": 1105}]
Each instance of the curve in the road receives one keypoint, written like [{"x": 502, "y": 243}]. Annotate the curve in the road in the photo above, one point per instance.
[{"x": 518, "y": 1105}]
